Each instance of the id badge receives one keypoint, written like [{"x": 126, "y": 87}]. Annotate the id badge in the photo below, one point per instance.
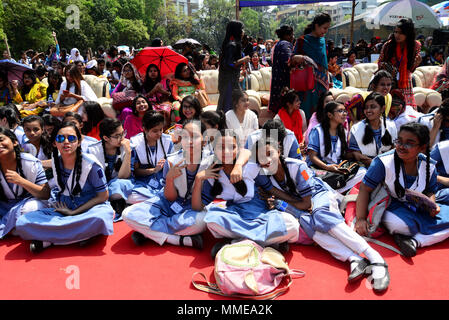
[
  {"x": 154, "y": 183},
  {"x": 176, "y": 207}
]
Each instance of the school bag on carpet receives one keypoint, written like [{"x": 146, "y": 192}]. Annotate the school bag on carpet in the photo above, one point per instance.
[
  {"x": 246, "y": 270},
  {"x": 338, "y": 180},
  {"x": 379, "y": 201}
]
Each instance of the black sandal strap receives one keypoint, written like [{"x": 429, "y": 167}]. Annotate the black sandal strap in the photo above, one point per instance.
[{"x": 181, "y": 241}]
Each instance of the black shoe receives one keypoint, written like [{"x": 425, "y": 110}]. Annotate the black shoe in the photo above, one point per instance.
[
  {"x": 217, "y": 247},
  {"x": 197, "y": 241},
  {"x": 118, "y": 206},
  {"x": 406, "y": 245},
  {"x": 359, "y": 271},
  {"x": 138, "y": 238},
  {"x": 36, "y": 246},
  {"x": 381, "y": 284}
]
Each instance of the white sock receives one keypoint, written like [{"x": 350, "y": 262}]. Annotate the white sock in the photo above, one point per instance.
[
  {"x": 354, "y": 261},
  {"x": 374, "y": 257}
]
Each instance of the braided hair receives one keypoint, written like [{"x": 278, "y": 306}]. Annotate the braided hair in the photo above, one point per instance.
[
  {"x": 368, "y": 136},
  {"x": 325, "y": 125},
  {"x": 239, "y": 186},
  {"x": 422, "y": 133},
  {"x": 107, "y": 127},
  {"x": 78, "y": 163},
  {"x": 17, "y": 150},
  {"x": 444, "y": 111}
]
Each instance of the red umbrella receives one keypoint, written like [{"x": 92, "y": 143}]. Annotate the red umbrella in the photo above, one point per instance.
[{"x": 165, "y": 58}]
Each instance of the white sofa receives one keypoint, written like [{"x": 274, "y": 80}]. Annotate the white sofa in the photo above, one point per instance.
[{"x": 357, "y": 79}]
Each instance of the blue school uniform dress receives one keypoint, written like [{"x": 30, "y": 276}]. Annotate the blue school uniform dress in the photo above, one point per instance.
[
  {"x": 28, "y": 147},
  {"x": 245, "y": 216},
  {"x": 116, "y": 186},
  {"x": 148, "y": 157},
  {"x": 52, "y": 226},
  {"x": 325, "y": 201},
  {"x": 20, "y": 134},
  {"x": 17, "y": 198},
  {"x": 382, "y": 169},
  {"x": 440, "y": 153},
  {"x": 375, "y": 147},
  {"x": 159, "y": 214},
  {"x": 290, "y": 143},
  {"x": 316, "y": 143}
]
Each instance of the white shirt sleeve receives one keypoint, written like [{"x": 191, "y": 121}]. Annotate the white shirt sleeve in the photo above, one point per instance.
[{"x": 87, "y": 93}]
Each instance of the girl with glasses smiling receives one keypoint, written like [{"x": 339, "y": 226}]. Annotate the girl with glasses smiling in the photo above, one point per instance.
[
  {"x": 113, "y": 152},
  {"x": 328, "y": 143},
  {"x": 404, "y": 168},
  {"x": 79, "y": 197}
]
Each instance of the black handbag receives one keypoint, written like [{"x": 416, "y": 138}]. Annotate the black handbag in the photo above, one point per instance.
[{"x": 338, "y": 180}]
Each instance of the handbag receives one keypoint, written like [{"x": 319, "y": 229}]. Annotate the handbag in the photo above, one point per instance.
[
  {"x": 338, "y": 180},
  {"x": 302, "y": 78},
  {"x": 246, "y": 270},
  {"x": 61, "y": 110},
  {"x": 123, "y": 99},
  {"x": 202, "y": 97}
]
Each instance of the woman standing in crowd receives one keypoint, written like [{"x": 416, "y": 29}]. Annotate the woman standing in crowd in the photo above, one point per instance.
[
  {"x": 230, "y": 63},
  {"x": 280, "y": 76},
  {"x": 313, "y": 45},
  {"x": 22, "y": 182},
  {"x": 80, "y": 208},
  {"x": 402, "y": 55}
]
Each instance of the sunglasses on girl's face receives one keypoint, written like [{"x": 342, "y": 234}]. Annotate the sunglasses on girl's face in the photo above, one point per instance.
[
  {"x": 397, "y": 142},
  {"x": 61, "y": 138}
]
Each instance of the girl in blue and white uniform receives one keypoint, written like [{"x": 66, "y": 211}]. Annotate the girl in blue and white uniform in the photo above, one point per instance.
[
  {"x": 245, "y": 215},
  {"x": 150, "y": 150},
  {"x": 168, "y": 216},
  {"x": 438, "y": 123},
  {"x": 113, "y": 153},
  {"x": 23, "y": 185},
  {"x": 401, "y": 169},
  {"x": 373, "y": 135},
  {"x": 80, "y": 208},
  {"x": 328, "y": 143},
  {"x": 316, "y": 205},
  {"x": 286, "y": 137}
]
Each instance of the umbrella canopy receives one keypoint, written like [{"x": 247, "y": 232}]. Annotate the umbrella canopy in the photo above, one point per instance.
[
  {"x": 180, "y": 43},
  {"x": 441, "y": 9},
  {"x": 390, "y": 13},
  {"x": 14, "y": 70},
  {"x": 164, "y": 58}
]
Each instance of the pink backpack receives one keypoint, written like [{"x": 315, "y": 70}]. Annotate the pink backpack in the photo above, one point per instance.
[{"x": 246, "y": 270}]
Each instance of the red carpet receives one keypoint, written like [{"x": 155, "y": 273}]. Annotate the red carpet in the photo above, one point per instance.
[{"x": 114, "y": 268}]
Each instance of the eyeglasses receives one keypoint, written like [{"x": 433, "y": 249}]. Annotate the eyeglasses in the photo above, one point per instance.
[
  {"x": 61, "y": 138},
  {"x": 119, "y": 136},
  {"x": 405, "y": 145},
  {"x": 341, "y": 111}
]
